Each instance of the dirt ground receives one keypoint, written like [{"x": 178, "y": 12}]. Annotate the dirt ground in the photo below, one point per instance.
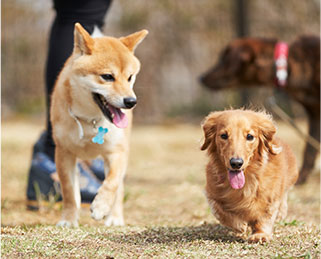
[{"x": 164, "y": 183}]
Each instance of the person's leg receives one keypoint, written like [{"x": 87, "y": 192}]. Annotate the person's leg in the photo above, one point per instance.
[{"x": 89, "y": 13}]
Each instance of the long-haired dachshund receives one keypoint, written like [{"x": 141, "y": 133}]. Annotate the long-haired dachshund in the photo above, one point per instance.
[{"x": 249, "y": 173}]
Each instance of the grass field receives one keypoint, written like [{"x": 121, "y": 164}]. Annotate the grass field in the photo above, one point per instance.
[{"x": 166, "y": 212}]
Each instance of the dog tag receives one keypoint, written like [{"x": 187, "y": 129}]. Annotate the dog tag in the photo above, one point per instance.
[{"x": 99, "y": 138}]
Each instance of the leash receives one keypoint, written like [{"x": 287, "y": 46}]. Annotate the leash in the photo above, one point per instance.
[{"x": 273, "y": 105}]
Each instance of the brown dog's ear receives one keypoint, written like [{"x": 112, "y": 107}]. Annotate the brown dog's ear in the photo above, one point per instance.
[
  {"x": 246, "y": 54},
  {"x": 264, "y": 52},
  {"x": 267, "y": 132},
  {"x": 244, "y": 51},
  {"x": 209, "y": 133},
  {"x": 83, "y": 43},
  {"x": 237, "y": 58},
  {"x": 209, "y": 127},
  {"x": 264, "y": 62},
  {"x": 131, "y": 41}
]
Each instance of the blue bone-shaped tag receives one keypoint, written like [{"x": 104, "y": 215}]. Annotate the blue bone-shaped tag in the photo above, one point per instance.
[{"x": 99, "y": 138}]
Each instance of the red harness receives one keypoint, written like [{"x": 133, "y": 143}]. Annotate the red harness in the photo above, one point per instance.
[{"x": 281, "y": 52}]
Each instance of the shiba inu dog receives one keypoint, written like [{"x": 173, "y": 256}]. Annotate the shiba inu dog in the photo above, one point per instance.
[{"x": 91, "y": 116}]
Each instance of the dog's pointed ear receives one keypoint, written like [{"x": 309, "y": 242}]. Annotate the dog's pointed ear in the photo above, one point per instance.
[
  {"x": 131, "y": 41},
  {"x": 83, "y": 42},
  {"x": 209, "y": 126},
  {"x": 267, "y": 132}
]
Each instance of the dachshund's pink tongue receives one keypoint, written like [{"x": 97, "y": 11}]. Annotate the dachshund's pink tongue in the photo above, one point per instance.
[
  {"x": 120, "y": 119},
  {"x": 236, "y": 178}
]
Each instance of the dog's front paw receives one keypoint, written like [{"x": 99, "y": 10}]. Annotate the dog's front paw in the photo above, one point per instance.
[
  {"x": 99, "y": 209},
  {"x": 114, "y": 221},
  {"x": 66, "y": 223},
  {"x": 259, "y": 238}
]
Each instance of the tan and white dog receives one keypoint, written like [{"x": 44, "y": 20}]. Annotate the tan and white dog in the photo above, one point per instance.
[{"x": 94, "y": 94}]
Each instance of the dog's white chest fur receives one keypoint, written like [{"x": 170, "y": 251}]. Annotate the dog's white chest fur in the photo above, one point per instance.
[{"x": 81, "y": 132}]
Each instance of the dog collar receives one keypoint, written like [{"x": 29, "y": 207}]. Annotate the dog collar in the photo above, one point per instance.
[
  {"x": 80, "y": 128},
  {"x": 281, "y": 52}
]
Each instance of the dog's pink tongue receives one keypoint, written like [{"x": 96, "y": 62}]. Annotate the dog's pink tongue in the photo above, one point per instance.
[
  {"x": 120, "y": 119},
  {"x": 237, "y": 179}
]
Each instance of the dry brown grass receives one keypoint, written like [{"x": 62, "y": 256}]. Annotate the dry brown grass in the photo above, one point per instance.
[{"x": 165, "y": 209}]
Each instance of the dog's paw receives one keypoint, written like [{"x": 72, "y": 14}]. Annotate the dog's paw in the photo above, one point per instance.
[
  {"x": 99, "y": 209},
  {"x": 98, "y": 214},
  {"x": 259, "y": 238},
  {"x": 114, "y": 221},
  {"x": 240, "y": 235},
  {"x": 281, "y": 216},
  {"x": 67, "y": 224}
]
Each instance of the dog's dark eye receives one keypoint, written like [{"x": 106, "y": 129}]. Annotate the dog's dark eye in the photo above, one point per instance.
[
  {"x": 224, "y": 136},
  {"x": 130, "y": 78},
  {"x": 249, "y": 137},
  {"x": 108, "y": 77}
]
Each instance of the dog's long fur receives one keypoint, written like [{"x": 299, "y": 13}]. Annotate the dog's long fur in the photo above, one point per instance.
[
  {"x": 248, "y": 62},
  {"x": 105, "y": 67},
  {"x": 269, "y": 169}
]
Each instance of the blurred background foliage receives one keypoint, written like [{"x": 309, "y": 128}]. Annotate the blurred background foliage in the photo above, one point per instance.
[{"x": 184, "y": 41}]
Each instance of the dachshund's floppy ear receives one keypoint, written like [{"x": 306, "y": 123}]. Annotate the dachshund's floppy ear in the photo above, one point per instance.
[
  {"x": 209, "y": 126},
  {"x": 267, "y": 131}
]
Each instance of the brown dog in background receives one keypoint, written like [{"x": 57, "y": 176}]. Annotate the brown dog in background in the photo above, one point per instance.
[
  {"x": 249, "y": 62},
  {"x": 249, "y": 173}
]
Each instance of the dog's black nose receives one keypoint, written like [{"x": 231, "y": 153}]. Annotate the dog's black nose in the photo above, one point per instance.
[
  {"x": 130, "y": 102},
  {"x": 236, "y": 163}
]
